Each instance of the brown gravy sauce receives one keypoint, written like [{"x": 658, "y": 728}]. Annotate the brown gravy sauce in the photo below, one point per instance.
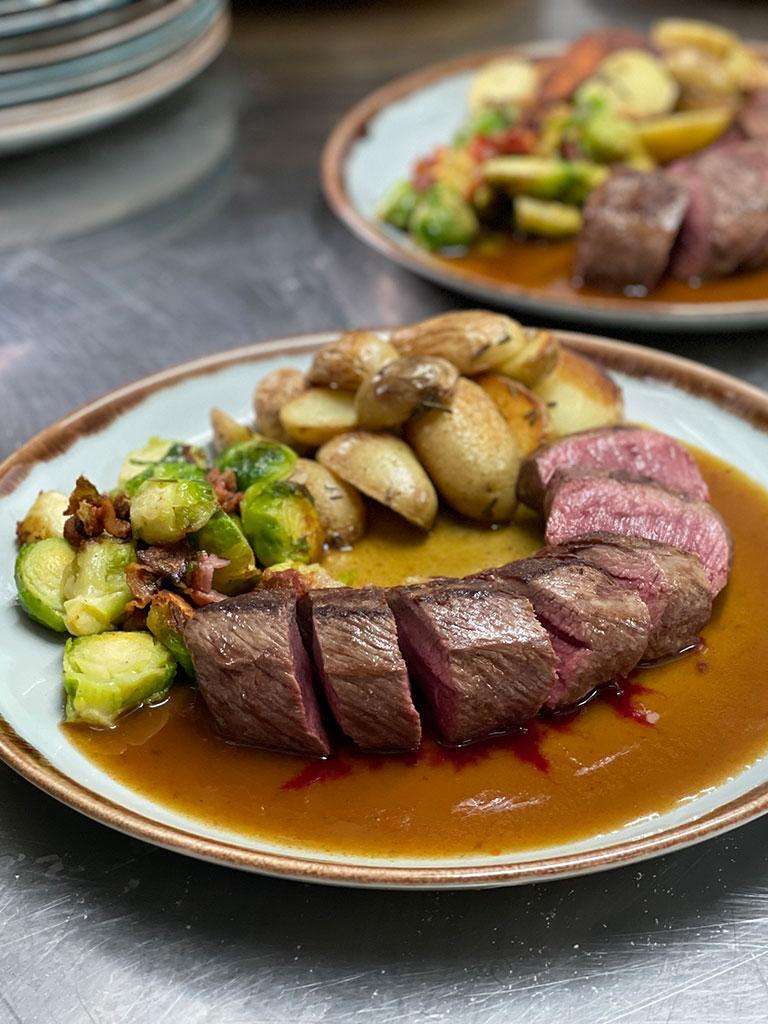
[{"x": 641, "y": 747}]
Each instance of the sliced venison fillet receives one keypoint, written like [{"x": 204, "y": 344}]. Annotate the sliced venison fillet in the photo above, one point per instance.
[
  {"x": 630, "y": 225},
  {"x": 579, "y": 504},
  {"x": 672, "y": 583},
  {"x": 638, "y": 453},
  {"x": 357, "y": 657},
  {"x": 599, "y": 630},
  {"x": 254, "y": 673},
  {"x": 481, "y": 658}
]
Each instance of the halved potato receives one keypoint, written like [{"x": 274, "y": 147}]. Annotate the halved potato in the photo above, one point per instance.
[
  {"x": 474, "y": 340},
  {"x": 705, "y": 81},
  {"x": 579, "y": 395},
  {"x": 227, "y": 430},
  {"x": 384, "y": 468},
  {"x": 317, "y": 415},
  {"x": 506, "y": 81},
  {"x": 345, "y": 363},
  {"x": 339, "y": 505},
  {"x": 525, "y": 413},
  {"x": 470, "y": 454},
  {"x": 536, "y": 358},
  {"x": 677, "y": 135},
  {"x": 674, "y": 33},
  {"x": 273, "y": 392},
  {"x": 387, "y": 398},
  {"x": 637, "y": 83}
]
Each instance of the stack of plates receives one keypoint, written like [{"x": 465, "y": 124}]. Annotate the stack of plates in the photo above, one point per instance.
[{"x": 68, "y": 66}]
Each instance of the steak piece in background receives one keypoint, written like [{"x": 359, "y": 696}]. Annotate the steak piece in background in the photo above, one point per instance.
[
  {"x": 636, "y": 452},
  {"x": 753, "y": 116},
  {"x": 254, "y": 673},
  {"x": 630, "y": 225},
  {"x": 672, "y": 583},
  {"x": 599, "y": 631},
  {"x": 358, "y": 660},
  {"x": 478, "y": 653},
  {"x": 578, "y": 504}
]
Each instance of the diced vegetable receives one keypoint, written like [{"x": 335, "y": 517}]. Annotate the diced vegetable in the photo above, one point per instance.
[
  {"x": 318, "y": 415},
  {"x": 339, "y": 505},
  {"x": 227, "y": 430},
  {"x": 524, "y": 413},
  {"x": 542, "y": 178},
  {"x": 638, "y": 83},
  {"x": 398, "y": 204},
  {"x": 165, "y": 620},
  {"x": 223, "y": 535},
  {"x": 40, "y": 571},
  {"x": 282, "y": 524},
  {"x": 546, "y": 218},
  {"x": 94, "y": 586},
  {"x": 677, "y": 135},
  {"x": 257, "y": 462},
  {"x": 346, "y": 362},
  {"x": 163, "y": 471},
  {"x": 272, "y": 392},
  {"x": 44, "y": 519},
  {"x": 506, "y": 81},
  {"x": 442, "y": 219},
  {"x": 165, "y": 511},
  {"x": 107, "y": 675},
  {"x": 387, "y": 398}
]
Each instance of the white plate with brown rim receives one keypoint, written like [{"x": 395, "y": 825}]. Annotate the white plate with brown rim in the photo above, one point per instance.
[{"x": 601, "y": 790}]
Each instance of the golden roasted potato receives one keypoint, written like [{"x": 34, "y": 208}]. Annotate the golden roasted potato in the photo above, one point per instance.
[
  {"x": 677, "y": 135},
  {"x": 470, "y": 454},
  {"x": 636, "y": 83},
  {"x": 674, "y": 33},
  {"x": 317, "y": 415},
  {"x": 273, "y": 392},
  {"x": 525, "y": 414},
  {"x": 536, "y": 358},
  {"x": 345, "y": 363},
  {"x": 507, "y": 80},
  {"x": 384, "y": 468},
  {"x": 339, "y": 505},
  {"x": 227, "y": 430},
  {"x": 579, "y": 395},
  {"x": 705, "y": 81},
  {"x": 387, "y": 398},
  {"x": 473, "y": 340}
]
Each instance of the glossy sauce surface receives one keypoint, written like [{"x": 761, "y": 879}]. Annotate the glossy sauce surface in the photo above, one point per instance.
[{"x": 664, "y": 737}]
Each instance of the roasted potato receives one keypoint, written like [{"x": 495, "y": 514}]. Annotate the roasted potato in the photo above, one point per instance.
[
  {"x": 273, "y": 392},
  {"x": 536, "y": 358},
  {"x": 677, "y": 135},
  {"x": 346, "y": 362},
  {"x": 387, "y": 398},
  {"x": 474, "y": 341},
  {"x": 704, "y": 80},
  {"x": 578, "y": 395},
  {"x": 470, "y": 454},
  {"x": 384, "y": 468},
  {"x": 227, "y": 430},
  {"x": 339, "y": 505},
  {"x": 506, "y": 81},
  {"x": 525, "y": 414},
  {"x": 317, "y": 415},
  {"x": 674, "y": 33},
  {"x": 635, "y": 83}
]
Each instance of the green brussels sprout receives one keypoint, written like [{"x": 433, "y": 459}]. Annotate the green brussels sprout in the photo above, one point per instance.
[
  {"x": 40, "y": 571},
  {"x": 45, "y": 518},
  {"x": 159, "y": 449},
  {"x": 163, "y": 471},
  {"x": 165, "y": 620},
  {"x": 546, "y": 217},
  {"x": 281, "y": 523},
  {"x": 487, "y": 121},
  {"x": 223, "y": 535},
  {"x": 545, "y": 177},
  {"x": 398, "y": 204},
  {"x": 109, "y": 674},
  {"x": 257, "y": 462},
  {"x": 165, "y": 511},
  {"x": 95, "y": 589},
  {"x": 442, "y": 218},
  {"x": 606, "y": 137}
]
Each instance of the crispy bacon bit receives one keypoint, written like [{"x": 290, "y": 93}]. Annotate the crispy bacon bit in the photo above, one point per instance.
[
  {"x": 200, "y": 599},
  {"x": 142, "y": 583},
  {"x": 201, "y": 577},
  {"x": 423, "y": 175},
  {"x": 135, "y": 616},
  {"x": 513, "y": 141},
  {"x": 91, "y": 514},
  {"x": 172, "y": 562},
  {"x": 224, "y": 485}
]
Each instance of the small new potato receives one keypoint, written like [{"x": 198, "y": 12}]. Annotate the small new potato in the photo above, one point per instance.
[
  {"x": 705, "y": 81},
  {"x": 44, "y": 519},
  {"x": 318, "y": 415},
  {"x": 282, "y": 524},
  {"x": 639, "y": 84},
  {"x": 273, "y": 392},
  {"x": 346, "y": 363},
  {"x": 507, "y": 81},
  {"x": 525, "y": 414},
  {"x": 470, "y": 454},
  {"x": 579, "y": 395},
  {"x": 387, "y": 398},
  {"x": 384, "y": 468},
  {"x": 339, "y": 505},
  {"x": 673, "y": 33},
  {"x": 536, "y": 358},
  {"x": 227, "y": 430},
  {"x": 474, "y": 340}
]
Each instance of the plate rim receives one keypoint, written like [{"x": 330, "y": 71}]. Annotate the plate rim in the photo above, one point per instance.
[
  {"x": 738, "y": 397},
  {"x": 599, "y": 310}
]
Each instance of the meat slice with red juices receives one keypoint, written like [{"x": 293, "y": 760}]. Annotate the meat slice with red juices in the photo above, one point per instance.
[
  {"x": 477, "y": 652},
  {"x": 636, "y": 452},
  {"x": 578, "y": 504},
  {"x": 672, "y": 583},
  {"x": 599, "y": 631},
  {"x": 357, "y": 658},
  {"x": 254, "y": 672}
]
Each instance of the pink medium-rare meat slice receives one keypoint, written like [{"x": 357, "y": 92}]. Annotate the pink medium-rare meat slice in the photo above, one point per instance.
[
  {"x": 672, "y": 584},
  {"x": 581, "y": 504},
  {"x": 634, "y": 451},
  {"x": 358, "y": 660},
  {"x": 480, "y": 657},
  {"x": 254, "y": 672},
  {"x": 630, "y": 225},
  {"x": 598, "y": 630}
]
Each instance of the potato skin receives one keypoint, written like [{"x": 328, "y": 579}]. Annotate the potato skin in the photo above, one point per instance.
[
  {"x": 273, "y": 392},
  {"x": 470, "y": 454},
  {"x": 387, "y": 398},
  {"x": 537, "y": 357},
  {"x": 227, "y": 430},
  {"x": 384, "y": 468},
  {"x": 473, "y": 340},
  {"x": 339, "y": 505},
  {"x": 524, "y": 413},
  {"x": 579, "y": 395},
  {"x": 317, "y": 415},
  {"x": 345, "y": 363}
]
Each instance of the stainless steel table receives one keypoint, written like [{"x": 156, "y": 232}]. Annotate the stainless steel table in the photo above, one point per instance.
[{"x": 199, "y": 226}]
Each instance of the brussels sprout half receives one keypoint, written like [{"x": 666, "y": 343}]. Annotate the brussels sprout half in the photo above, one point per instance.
[
  {"x": 163, "y": 471},
  {"x": 45, "y": 518},
  {"x": 40, "y": 571},
  {"x": 165, "y": 620},
  {"x": 223, "y": 535},
  {"x": 94, "y": 587},
  {"x": 257, "y": 462},
  {"x": 281, "y": 523},
  {"x": 442, "y": 218},
  {"x": 159, "y": 449},
  {"x": 165, "y": 511}
]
